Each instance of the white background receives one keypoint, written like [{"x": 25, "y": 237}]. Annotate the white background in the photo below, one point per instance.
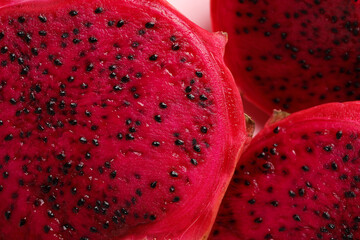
[{"x": 199, "y": 12}]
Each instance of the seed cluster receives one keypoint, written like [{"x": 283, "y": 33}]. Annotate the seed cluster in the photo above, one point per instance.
[
  {"x": 302, "y": 44},
  {"x": 309, "y": 180}
]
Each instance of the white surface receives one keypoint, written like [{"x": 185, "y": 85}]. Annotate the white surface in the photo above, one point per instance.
[{"x": 199, "y": 12}]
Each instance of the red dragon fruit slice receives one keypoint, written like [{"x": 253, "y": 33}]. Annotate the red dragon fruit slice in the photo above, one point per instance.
[
  {"x": 118, "y": 120},
  {"x": 292, "y": 54},
  {"x": 299, "y": 179}
]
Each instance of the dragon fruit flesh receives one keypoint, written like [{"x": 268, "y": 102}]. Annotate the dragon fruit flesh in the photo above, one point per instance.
[
  {"x": 299, "y": 179},
  {"x": 292, "y": 54},
  {"x": 118, "y": 120}
]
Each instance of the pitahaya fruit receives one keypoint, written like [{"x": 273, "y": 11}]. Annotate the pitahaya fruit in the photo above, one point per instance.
[
  {"x": 118, "y": 120},
  {"x": 292, "y": 54},
  {"x": 299, "y": 179}
]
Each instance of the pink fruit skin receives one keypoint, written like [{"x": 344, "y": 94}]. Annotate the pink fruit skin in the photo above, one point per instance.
[
  {"x": 62, "y": 179},
  {"x": 298, "y": 179},
  {"x": 291, "y": 55}
]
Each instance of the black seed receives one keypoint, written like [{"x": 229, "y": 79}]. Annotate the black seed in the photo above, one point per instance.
[
  {"x": 106, "y": 225},
  {"x": 157, "y": 118},
  {"x": 46, "y": 228},
  {"x": 153, "y": 57},
  {"x": 73, "y": 13},
  {"x": 326, "y": 215},
  {"x": 95, "y": 142},
  {"x": 153, "y": 184},
  {"x": 276, "y": 130},
  {"x": 174, "y": 174},
  {"x": 179, "y": 142},
  {"x": 149, "y": 24},
  {"x": 4, "y": 50},
  {"x": 50, "y": 213},
  {"x": 129, "y": 137},
  {"x": 13, "y": 101},
  {"x": 162, "y": 105},
  {"x": 112, "y": 75},
  {"x": 258, "y": 220},
  {"x": 58, "y": 62},
  {"x": 65, "y": 35},
  {"x": 175, "y": 47},
  {"x": 93, "y": 39},
  {"x": 173, "y": 38},
  {"x": 197, "y": 148},
  {"x": 113, "y": 174},
  {"x": 350, "y": 194},
  {"x": 21, "y": 19},
  {"x": 120, "y": 23},
  {"x": 339, "y": 134},
  {"x": 334, "y": 166},
  {"x": 99, "y": 10},
  {"x": 194, "y": 162},
  {"x": 266, "y": 165},
  {"x": 117, "y": 88},
  {"x": 35, "y": 51},
  {"x": 156, "y": 144},
  {"x": 21, "y": 183},
  {"x": 72, "y": 122},
  {"x": 305, "y": 168},
  {"x": 251, "y": 201},
  {"x": 349, "y": 146},
  {"x": 301, "y": 192},
  {"x": 203, "y": 97},
  {"x": 119, "y": 136},
  {"x": 70, "y": 79},
  {"x": 61, "y": 156},
  {"x": 138, "y": 192},
  {"x": 8, "y": 137},
  {"x": 296, "y": 218},
  {"x": 327, "y": 148},
  {"x": 152, "y": 217},
  {"x": 90, "y": 67},
  {"x": 343, "y": 177},
  {"x": 292, "y": 194},
  {"x": 274, "y": 203},
  {"x": 83, "y": 140},
  {"x": 42, "y": 18},
  {"x": 22, "y": 222},
  {"x": 199, "y": 74},
  {"x": 7, "y": 214},
  {"x": 190, "y": 96},
  {"x": 176, "y": 199},
  {"x": 125, "y": 79},
  {"x": 93, "y": 229}
]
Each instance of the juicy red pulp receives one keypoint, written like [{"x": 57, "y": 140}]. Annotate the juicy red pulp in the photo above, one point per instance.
[
  {"x": 299, "y": 179},
  {"x": 109, "y": 122},
  {"x": 292, "y": 55}
]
